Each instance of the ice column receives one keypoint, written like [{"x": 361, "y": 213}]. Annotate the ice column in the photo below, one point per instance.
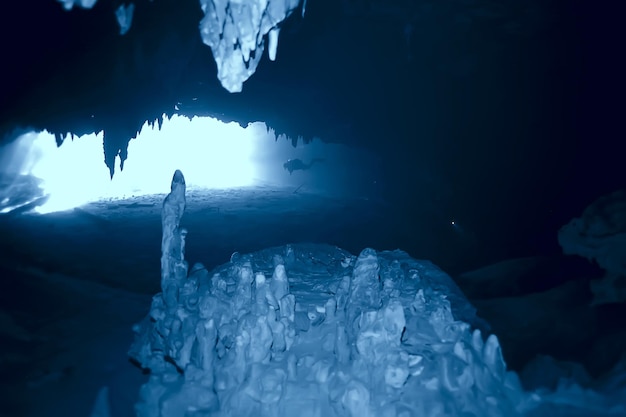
[{"x": 173, "y": 265}]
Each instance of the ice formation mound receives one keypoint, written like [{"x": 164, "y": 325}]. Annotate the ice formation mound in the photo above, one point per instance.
[
  {"x": 85, "y": 4},
  {"x": 311, "y": 330}
]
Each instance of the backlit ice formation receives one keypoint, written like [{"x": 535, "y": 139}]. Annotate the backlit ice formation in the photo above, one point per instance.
[
  {"x": 599, "y": 235},
  {"x": 236, "y": 30},
  {"x": 310, "y": 330}
]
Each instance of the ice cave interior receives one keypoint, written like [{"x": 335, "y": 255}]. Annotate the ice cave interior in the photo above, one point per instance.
[{"x": 394, "y": 208}]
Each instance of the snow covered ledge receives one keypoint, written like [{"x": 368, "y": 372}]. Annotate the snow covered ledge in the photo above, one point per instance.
[{"x": 235, "y": 30}]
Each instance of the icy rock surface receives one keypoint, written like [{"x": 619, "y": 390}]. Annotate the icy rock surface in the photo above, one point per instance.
[
  {"x": 235, "y": 31},
  {"x": 599, "y": 235}
]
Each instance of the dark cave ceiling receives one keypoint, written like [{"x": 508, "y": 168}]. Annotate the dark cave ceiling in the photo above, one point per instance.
[
  {"x": 346, "y": 72},
  {"x": 505, "y": 98}
]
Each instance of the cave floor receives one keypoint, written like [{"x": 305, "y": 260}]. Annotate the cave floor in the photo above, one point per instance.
[
  {"x": 118, "y": 242},
  {"x": 75, "y": 282}
]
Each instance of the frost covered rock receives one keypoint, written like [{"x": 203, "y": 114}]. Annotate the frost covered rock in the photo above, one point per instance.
[{"x": 600, "y": 235}]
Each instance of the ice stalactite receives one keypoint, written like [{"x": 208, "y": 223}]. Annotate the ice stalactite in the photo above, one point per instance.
[{"x": 236, "y": 33}]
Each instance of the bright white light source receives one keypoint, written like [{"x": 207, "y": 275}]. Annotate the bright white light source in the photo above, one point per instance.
[{"x": 211, "y": 154}]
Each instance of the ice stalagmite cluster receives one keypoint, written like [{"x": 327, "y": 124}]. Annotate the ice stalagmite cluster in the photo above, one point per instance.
[{"x": 310, "y": 330}]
